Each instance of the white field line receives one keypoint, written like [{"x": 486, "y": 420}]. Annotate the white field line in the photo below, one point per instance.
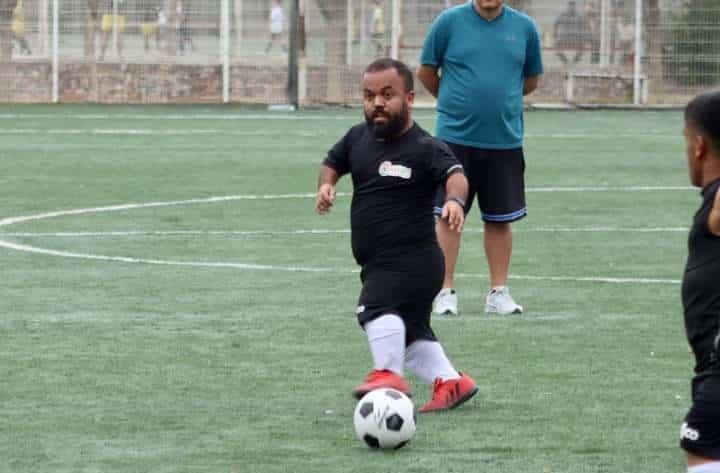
[
  {"x": 302, "y": 133},
  {"x": 146, "y": 132},
  {"x": 320, "y": 231},
  {"x": 115, "y": 208},
  {"x": 302, "y": 269},
  {"x": 228, "y": 198},
  {"x": 125, "y": 259},
  {"x": 184, "y": 117},
  {"x": 581, "y": 279},
  {"x": 205, "y": 264}
]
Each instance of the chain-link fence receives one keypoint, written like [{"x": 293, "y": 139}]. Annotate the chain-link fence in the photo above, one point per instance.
[{"x": 204, "y": 51}]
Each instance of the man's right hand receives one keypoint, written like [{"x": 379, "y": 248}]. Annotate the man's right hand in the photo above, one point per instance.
[{"x": 325, "y": 198}]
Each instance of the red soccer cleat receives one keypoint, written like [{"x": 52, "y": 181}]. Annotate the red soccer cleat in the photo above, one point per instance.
[
  {"x": 377, "y": 379},
  {"x": 450, "y": 394}
]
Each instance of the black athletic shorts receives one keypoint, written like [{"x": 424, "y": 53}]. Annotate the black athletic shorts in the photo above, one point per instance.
[
  {"x": 700, "y": 433},
  {"x": 403, "y": 284},
  {"x": 496, "y": 177}
]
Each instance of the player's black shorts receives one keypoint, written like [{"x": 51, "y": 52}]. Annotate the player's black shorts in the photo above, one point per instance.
[
  {"x": 700, "y": 433},
  {"x": 496, "y": 177},
  {"x": 403, "y": 284}
]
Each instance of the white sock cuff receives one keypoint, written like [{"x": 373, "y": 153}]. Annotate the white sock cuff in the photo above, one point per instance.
[
  {"x": 384, "y": 326},
  {"x": 712, "y": 467}
]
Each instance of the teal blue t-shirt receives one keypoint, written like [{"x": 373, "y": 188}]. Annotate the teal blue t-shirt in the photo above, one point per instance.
[{"x": 483, "y": 66}]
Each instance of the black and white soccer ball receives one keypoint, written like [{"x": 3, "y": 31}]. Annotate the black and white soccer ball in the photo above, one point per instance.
[{"x": 385, "y": 418}]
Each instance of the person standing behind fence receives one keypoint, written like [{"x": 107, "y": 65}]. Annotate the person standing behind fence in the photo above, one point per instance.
[
  {"x": 377, "y": 27},
  {"x": 592, "y": 31},
  {"x": 18, "y": 28},
  {"x": 700, "y": 431},
  {"x": 569, "y": 33},
  {"x": 150, "y": 27},
  {"x": 489, "y": 57},
  {"x": 110, "y": 21},
  {"x": 184, "y": 37},
  {"x": 277, "y": 26}
]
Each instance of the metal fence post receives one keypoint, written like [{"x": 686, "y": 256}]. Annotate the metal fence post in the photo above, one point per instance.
[
  {"x": 349, "y": 33},
  {"x": 396, "y": 29},
  {"x": 637, "y": 96},
  {"x": 55, "y": 51},
  {"x": 225, "y": 47}
]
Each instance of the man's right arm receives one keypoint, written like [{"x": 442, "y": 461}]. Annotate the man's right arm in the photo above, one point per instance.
[
  {"x": 327, "y": 180},
  {"x": 430, "y": 78},
  {"x": 713, "y": 222}
]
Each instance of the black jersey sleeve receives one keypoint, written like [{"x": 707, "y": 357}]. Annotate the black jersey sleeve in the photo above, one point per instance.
[
  {"x": 338, "y": 157},
  {"x": 443, "y": 162}
]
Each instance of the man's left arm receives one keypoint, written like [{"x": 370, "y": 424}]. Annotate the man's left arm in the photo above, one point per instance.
[
  {"x": 533, "y": 68},
  {"x": 456, "y": 191},
  {"x": 531, "y": 83},
  {"x": 713, "y": 222}
]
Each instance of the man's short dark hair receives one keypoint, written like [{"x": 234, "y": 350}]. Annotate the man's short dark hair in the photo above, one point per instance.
[
  {"x": 703, "y": 113},
  {"x": 386, "y": 63}
]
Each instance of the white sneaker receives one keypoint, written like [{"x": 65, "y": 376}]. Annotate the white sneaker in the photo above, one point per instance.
[
  {"x": 499, "y": 301},
  {"x": 446, "y": 302}
]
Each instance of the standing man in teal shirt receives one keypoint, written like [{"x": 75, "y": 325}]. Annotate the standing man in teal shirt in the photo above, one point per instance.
[{"x": 479, "y": 59}]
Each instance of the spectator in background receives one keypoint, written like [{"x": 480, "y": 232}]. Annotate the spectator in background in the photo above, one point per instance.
[
  {"x": 110, "y": 21},
  {"x": 150, "y": 27},
  {"x": 277, "y": 26},
  {"x": 568, "y": 33},
  {"x": 592, "y": 31},
  {"x": 626, "y": 40},
  {"x": 18, "y": 28},
  {"x": 183, "y": 28},
  {"x": 377, "y": 27}
]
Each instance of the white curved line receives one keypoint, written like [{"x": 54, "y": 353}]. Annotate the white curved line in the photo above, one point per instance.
[
  {"x": 299, "y": 269},
  {"x": 206, "y": 264},
  {"x": 124, "y": 259},
  {"x": 113, "y": 208},
  {"x": 161, "y": 233}
]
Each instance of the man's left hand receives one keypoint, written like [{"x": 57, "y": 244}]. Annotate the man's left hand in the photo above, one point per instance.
[{"x": 454, "y": 213}]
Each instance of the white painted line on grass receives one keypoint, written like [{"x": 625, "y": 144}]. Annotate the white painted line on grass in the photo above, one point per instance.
[
  {"x": 189, "y": 116},
  {"x": 581, "y": 279},
  {"x": 300, "y": 269},
  {"x": 303, "y": 133},
  {"x": 115, "y": 208},
  {"x": 126, "y": 259},
  {"x": 315, "y": 231},
  {"x": 146, "y": 132}
]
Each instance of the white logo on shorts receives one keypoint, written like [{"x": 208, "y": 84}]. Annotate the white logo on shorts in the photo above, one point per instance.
[
  {"x": 394, "y": 170},
  {"x": 687, "y": 432},
  {"x": 360, "y": 309}
]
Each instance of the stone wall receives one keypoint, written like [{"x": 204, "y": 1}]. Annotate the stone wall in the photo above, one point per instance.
[{"x": 28, "y": 82}]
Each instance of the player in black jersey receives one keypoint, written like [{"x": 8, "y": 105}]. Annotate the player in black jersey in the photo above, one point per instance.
[
  {"x": 700, "y": 433},
  {"x": 396, "y": 168}
]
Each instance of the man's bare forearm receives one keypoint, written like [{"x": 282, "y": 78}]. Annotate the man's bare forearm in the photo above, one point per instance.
[
  {"x": 457, "y": 187},
  {"x": 327, "y": 175},
  {"x": 531, "y": 84},
  {"x": 429, "y": 78}
]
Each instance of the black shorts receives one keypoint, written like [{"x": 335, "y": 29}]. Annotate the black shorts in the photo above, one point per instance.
[
  {"x": 405, "y": 285},
  {"x": 496, "y": 177},
  {"x": 700, "y": 433}
]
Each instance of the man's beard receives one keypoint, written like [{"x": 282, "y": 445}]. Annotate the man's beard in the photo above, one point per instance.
[{"x": 392, "y": 127}]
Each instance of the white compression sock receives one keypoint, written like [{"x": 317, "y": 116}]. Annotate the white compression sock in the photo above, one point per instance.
[
  {"x": 427, "y": 360},
  {"x": 712, "y": 467},
  {"x": 386, "y": 336}
]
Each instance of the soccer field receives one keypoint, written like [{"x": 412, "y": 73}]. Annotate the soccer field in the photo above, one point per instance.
[{"x": 169, "y": 301}]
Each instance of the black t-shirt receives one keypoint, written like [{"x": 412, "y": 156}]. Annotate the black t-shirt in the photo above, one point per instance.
[
  {"x": 394, "y": 184},
  {"x": 701, "y": 287}
]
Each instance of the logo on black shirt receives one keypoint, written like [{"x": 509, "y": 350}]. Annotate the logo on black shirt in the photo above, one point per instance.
[{"x": 394, "y": 170}]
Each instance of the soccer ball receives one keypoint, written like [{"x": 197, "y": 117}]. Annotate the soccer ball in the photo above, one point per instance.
[{"x": 385, "y": 418}]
